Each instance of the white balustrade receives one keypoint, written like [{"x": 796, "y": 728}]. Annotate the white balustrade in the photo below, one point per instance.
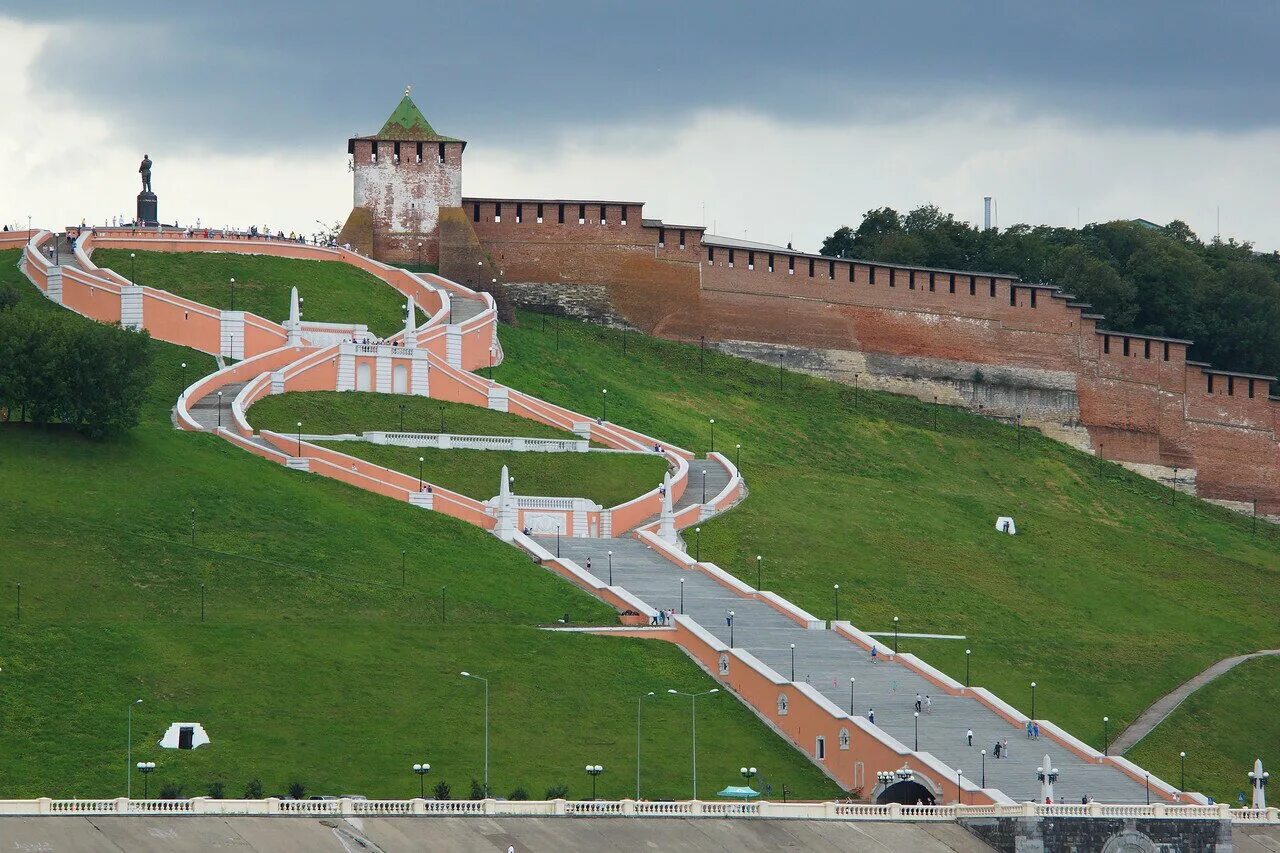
[{"x": 684, "y": 808}]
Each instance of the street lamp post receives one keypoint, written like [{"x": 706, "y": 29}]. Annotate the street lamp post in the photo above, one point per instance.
[
  {"x": 219, "y": 409},
  {"x": 419, "y": 257},
  {"x": 133, "y": 268},
  {"x": 793, "y": 661},
  {"x": 422, "y": 770},
  {"x": 681, "y": 596},
  {"x": 128, "y": 750},
  {"x": 748, "y": 773},
  {"x": 693, "y": 697},
  {"x": 184, "y": 374},
  {"x": 610, "y": 553},
  {"x": 704, "y": 485},
  {"x": 604, "y": 404},
  {"x": 713, "y": 435},
  {"x": 299, "y": 438},
  {"x": 233, "y": 294},
  {"x": 1182, "y": 757},
  {"x": 729, "y": 619},
  {"x": 421, "y": 459},
  {"x": 486, "y": 727},
  {"x": 1033, "y": 701},
  {"x": 639, "y": 700},
  {"x": 737, "y": 456},
  {"x": 916, "y": 714},
  {"x": 146, "y": 768},
  {"x": 759, "y": 571},
  {"x": 853, "y": 679},
  {"x": 984, "y": 767},
  {"x": 1106, "y": 739},
  {"x": 594, "y": 771},
  {"x": 697, "y": 543},
  {"x": 836, "y": 594},
  {"x": 895, "y": 635},
  {"x": 967, "y": 654}
]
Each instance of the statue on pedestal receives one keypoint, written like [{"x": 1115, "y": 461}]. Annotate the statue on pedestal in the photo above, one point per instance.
[{"x": 147, "y": 204}]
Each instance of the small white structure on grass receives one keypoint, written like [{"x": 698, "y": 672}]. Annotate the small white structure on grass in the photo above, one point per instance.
[
  {"x": 184, "y": 736},
  {"x": 1004, "y": 524}
]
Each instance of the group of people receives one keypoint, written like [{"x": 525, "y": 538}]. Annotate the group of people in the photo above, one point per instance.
[
  {"x": 1033, "y": 730},
  {"x": 924, "y": 705},
  {"x": 664, "y": 617}
]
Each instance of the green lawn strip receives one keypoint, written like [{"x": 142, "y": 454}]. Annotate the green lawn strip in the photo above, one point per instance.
[
  {"x": 332, "y": 292},
  {"x": 348, "y": 705},
  {"x": 1222, "y": 727},
  {"x": 608, "y": 479},
  {"x": 339, "y": 412},
  {"x": 1109, "y": 575}
]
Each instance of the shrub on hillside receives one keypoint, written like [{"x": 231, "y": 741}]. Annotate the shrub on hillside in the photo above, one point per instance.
[
  {"x": 478, "y": 791},
  {"x": 216, "y": 790},
  {"x": 9, "y": 296},
  {"x": 57, "y": 368},
  {"x": 253, "y": 790},
  {"x": 297, "y": 790},
  {"x": 558, "y": 792},
  {"x": 170, "y": 791},
  {"x": 442, "y": 790},
  {"x": 518, "y": 794}
]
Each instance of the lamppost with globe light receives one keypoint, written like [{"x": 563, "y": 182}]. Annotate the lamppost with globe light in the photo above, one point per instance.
[
  {"x": 748, "y": 773},
  {"x": 604, "y": 404},
  {"x": 713, "y": 435},
  {"x": 146, "y": 768},
  {"x": 895, "y": 635},
  {"x": 594, "y": 771},
  {"x": 422, "y": 770}
]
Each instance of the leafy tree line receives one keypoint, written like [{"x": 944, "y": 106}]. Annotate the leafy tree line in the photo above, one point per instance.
[
  {"x": 1156, "y": 281},
  {"x": 57, "y": 368}
]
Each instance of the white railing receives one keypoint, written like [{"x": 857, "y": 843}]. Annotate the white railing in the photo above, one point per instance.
[
  {"x": 448, "y": 441},
  {"x": 350, "y": 806}
]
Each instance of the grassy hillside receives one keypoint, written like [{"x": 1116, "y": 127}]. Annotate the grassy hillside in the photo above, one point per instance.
[
  {"x": 1110, "y": 596},
  {"x": 1222, "y": 728},
  {"x": 332, "y": 292},
  {"x": 313, "y": 662},
  {"x": 608, "y": 479},
  {"x": 335, "y": 412}
]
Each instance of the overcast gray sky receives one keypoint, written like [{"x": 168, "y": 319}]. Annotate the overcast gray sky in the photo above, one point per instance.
[{"x": 780, "y": 120}]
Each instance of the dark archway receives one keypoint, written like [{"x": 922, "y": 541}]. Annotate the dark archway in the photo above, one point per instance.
[{"x": 908, "y": 792}]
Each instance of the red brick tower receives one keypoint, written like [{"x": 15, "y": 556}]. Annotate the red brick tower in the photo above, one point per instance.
[{"x": 404, "y": 174}]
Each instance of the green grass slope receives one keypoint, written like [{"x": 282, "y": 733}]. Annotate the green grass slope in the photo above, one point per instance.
[
  {"x": 336, "y": 412},
  {"x": 608, "y": 479},
  {"x": 332, "y": 292},
  {"x": 1111, "y": 596},
  {"x": 1222, "y": 728},
  {"x": 316, "y": 659}
]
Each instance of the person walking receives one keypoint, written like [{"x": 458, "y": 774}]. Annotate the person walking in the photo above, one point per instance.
[
  {"x": 1004, "y": 748},
  {"x": 968, "y": 736},
  {"x": 874, "y": 659},
  {"x": 1035, "y": 731},
  {"x": 1028, "y": 730},
  {"x": 996, "y": 751},
  {"x": 928, "y": 704},
  {"x": 919, "y": 704},
  {"x": 871, "y": 716}
]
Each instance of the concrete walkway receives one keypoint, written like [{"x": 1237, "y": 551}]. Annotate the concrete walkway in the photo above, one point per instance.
[
  {"x": 1165, "y": 705},
  {"x": 827, "y": 661}
]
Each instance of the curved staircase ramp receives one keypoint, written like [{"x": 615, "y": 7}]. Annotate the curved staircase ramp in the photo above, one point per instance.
[{"x": 824, "y": 659}]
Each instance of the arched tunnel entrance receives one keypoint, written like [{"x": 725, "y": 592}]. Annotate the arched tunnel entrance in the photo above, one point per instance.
[{"x": 909, "y": 792}]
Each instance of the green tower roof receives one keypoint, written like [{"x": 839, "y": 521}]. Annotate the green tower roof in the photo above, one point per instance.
[{"x": 407, "y": 123}]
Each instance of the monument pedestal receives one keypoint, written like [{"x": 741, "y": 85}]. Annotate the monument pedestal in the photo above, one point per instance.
[{"x": 147, "y": 205}]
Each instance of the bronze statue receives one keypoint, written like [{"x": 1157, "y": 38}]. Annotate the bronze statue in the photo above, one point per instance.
[{"x": 145, "y": 171}]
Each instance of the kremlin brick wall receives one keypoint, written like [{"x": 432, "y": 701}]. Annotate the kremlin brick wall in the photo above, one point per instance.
[{"x": 1138, "y": 398}]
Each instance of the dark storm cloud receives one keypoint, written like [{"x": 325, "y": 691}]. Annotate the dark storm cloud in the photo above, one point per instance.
[{"x": 233, "y": 76}]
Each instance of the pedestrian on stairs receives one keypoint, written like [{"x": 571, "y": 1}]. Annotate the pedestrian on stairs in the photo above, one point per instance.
[
  {"x": 928, "y": 704},
  {"x": 996, "y": 750},
  {"x": 968, "y": 736},
  {"x": 1004, "y": 749},
  {"x": 871, "y": 716},
  {"x": 919, "y": 706}
]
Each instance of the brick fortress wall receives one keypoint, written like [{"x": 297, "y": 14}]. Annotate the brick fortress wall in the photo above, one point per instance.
[{"x": 987, "y": 341}]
